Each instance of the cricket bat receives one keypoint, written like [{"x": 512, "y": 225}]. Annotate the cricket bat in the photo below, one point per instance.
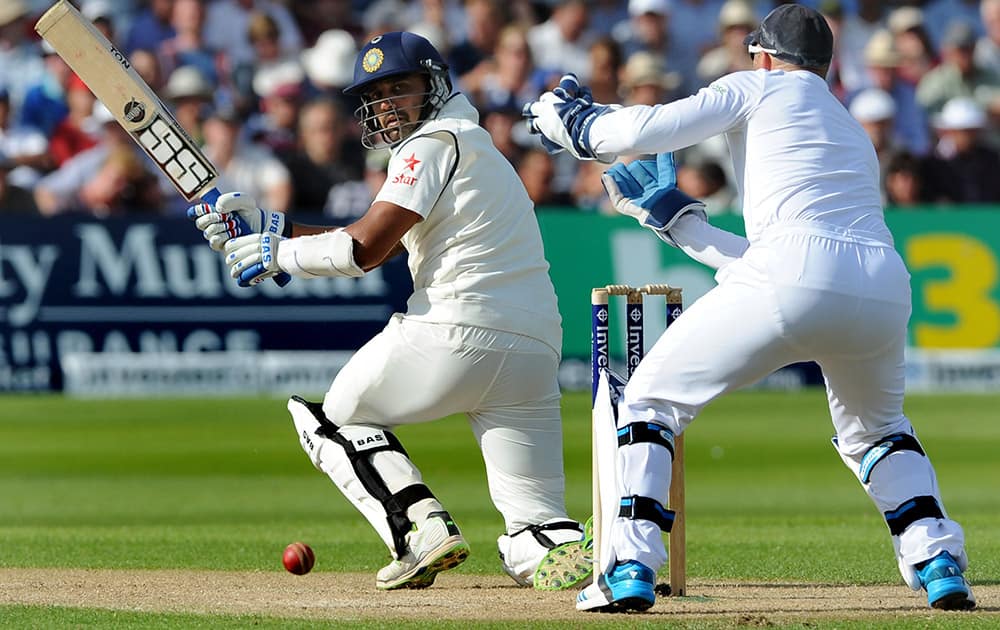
[{"x": 113, "y": 80}]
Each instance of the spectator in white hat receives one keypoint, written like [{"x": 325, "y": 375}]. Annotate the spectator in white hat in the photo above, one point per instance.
[
  {"x": 882, "y": 65},
  {"x": 876, "y": 110},
  {"x": 963, "y": 169},
  {"x": 329, "y": 64},
  {"x": 644, "y": 81},
  {"x": 189, "y": 93},
  {"x": 280, "y": 89}
]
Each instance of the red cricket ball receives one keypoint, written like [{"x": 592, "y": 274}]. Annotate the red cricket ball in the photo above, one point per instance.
[{"x": 298, "y": 558}]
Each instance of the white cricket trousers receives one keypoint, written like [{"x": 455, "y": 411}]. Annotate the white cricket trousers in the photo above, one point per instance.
[
  {"x": 841, "y": 299},
  {"x": 506, "y": 384}
]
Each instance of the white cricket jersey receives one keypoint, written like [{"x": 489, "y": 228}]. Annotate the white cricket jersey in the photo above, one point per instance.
[
  {"x": 798, "y": 155},
  {"x": 476, "y": 257}
]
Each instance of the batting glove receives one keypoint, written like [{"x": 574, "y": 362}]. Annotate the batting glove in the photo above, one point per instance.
[
  {"x": 563, "y": 118},
  {"x": 235, "y": 215},
  {"x": 647, "y": 191},
  {"x": 253, "y": 258}
]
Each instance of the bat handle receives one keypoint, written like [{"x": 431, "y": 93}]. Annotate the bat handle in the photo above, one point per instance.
[{"x": 210, "y": 197}]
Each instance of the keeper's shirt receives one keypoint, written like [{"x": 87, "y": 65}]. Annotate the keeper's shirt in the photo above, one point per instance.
[
  {"x": 476, "y": 257},
  {"x": 798, "y": 155}
]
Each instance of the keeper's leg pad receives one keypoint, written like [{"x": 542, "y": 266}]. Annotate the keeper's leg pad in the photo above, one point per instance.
[
  {"x": 896, "y": 473},
  {"x": 635, "y": 492},
  {"x": 370, "y": 467},
  {"x": 522, "y": 551}
]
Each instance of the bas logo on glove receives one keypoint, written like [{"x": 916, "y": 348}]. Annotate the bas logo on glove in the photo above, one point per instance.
[{"x": 253, "y": 258}]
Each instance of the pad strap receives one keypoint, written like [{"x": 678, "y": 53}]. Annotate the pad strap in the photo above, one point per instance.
[
  {"x": 646, "y": 509},
  {"x": 912, "y": 511},
  {"x": 891, "y": 444},
  {"x": 537, "y": 531},
  {"x": 646, "y": 432},
  {"x": 395, "y": 504}
]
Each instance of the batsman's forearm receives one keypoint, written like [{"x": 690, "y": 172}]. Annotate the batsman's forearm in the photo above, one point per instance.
[{"x": 706, "y": 243}]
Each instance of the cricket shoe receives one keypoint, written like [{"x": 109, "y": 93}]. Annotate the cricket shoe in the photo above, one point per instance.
[
  {"x": 435, "y": 546},
  {"x": 570, "y": 565},
  {"x": 626, "y": 587},
  {"x": 946, "y": 587}
]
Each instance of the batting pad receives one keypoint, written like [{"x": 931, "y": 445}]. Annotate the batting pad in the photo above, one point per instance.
[{"x": 605, "y": 436}]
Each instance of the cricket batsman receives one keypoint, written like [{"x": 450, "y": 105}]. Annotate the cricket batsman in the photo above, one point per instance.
[{"x": 481, "y": 334}]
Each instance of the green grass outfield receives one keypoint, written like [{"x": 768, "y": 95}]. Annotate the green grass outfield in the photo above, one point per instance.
[{"x": 224, "y": 485}]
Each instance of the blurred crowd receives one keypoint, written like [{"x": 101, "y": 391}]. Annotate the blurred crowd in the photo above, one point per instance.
[{"x": 258, "y": 84}]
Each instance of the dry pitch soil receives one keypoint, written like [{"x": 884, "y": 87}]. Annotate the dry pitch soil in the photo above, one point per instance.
[{"x": 352, "y": 596}]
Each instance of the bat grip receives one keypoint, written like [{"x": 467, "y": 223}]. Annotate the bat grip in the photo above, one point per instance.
[{"x": 210, "y": 197}]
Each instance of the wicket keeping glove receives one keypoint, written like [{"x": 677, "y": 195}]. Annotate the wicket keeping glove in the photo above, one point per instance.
[
  {"x": 234, "y": 215},
  {"x": 253, "y": 258},
  {"x": 647, "y": 190},
  {"x": 563, "y": 118}
]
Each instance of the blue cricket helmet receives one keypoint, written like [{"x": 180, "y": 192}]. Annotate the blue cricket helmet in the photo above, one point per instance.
[
  {"x": 394, "y": 53},
  {"x": 389, "y": 55}
]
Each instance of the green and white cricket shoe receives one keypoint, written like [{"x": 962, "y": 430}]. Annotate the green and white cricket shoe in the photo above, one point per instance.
[
  {"x": 434, "y": 547},
  {"x": 570, "y": 565}
]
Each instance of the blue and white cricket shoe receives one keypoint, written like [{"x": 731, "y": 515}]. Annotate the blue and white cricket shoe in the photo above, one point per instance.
[
  {"x": 627, "y": 587},
  {"x": 946, "y": 587}
]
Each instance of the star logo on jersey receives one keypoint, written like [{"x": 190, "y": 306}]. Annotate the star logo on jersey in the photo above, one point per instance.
[{"x": 411, "y": 163}]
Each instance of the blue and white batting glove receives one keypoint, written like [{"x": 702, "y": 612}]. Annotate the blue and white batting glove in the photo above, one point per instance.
[
  {"x": 647, "y": 191},
  {"x": 253, "y": 258},
  {"x": 234, "y": 215},
  {"x": 563, "y": 118}
]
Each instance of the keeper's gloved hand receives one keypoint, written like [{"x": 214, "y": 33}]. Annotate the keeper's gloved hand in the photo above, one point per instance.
[
  {"x": 235, "y": 214},
  {"x": 253, "y": 258},
  {"x": 563, "y": 118},
  {"x": 647, "y": 190}
]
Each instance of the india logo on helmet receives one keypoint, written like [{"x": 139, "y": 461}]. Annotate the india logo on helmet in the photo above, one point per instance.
[{"x": 373, "y": 60}]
